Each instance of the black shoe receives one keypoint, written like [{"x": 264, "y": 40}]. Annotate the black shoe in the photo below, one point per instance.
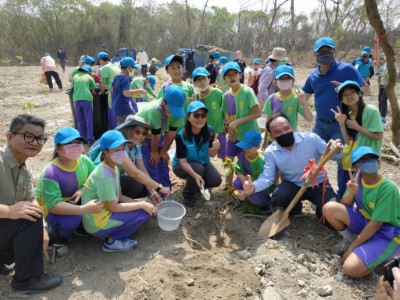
[
  {"x": 189, "y": 202},
  {"x": 37, "y": 284}
]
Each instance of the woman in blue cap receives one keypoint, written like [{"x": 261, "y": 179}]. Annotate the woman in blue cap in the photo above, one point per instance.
[
  {"x": 195, "y": 144},
  {"x": 360, "y": 124},
  {"x": 371, "y": 228},
  {"x": 120, "y": 216},
  {"x": 59, "y": 188}
]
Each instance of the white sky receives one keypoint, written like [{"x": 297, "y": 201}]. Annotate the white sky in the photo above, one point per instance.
[{"x": 300, "y": 6}]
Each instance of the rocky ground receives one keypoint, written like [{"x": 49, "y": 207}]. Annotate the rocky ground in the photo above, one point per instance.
[{"x": 214, "y": 254}]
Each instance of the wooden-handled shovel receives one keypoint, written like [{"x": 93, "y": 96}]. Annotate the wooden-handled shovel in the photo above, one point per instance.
[{"x": 280, "y": 219}]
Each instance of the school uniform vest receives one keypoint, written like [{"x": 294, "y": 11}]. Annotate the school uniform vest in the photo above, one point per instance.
[
  {"x": 195, "y": 153},
  {"x": 363, "y": 67}
]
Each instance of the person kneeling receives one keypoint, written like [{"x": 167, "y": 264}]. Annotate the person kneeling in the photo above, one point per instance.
[{"x": 375, "y": 221}]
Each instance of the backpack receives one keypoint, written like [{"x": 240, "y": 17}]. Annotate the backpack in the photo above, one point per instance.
[{"x": 254, "y": 83}]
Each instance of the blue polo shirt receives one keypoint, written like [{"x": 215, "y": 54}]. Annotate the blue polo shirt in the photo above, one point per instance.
[
  {"x": 323, "y": 89},
  {"x": 291, "y": 163}
]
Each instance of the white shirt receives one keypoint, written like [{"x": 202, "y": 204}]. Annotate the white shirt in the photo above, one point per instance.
[{"x": 142, "y": 58}]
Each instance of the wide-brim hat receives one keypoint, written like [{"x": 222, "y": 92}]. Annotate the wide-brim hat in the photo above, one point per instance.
[
  {"x": 134, "y": 120},
  {"x": 278, "y": 54}
]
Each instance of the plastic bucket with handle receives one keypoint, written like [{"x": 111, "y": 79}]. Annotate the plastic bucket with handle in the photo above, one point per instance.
[{"x": 169, "y": 215}]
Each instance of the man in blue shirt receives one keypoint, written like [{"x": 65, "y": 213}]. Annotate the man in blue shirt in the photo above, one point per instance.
[
  {"x": 364, "y": 65},
  {"x": 322, "y": 82},
  {"x": 289, "y": 154}
]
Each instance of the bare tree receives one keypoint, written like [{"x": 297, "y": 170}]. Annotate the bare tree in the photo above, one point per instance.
[
  {"x": 202, "y": 23},
  {"x": 276, "y": 5},
  {"x": 293, "y": 28},
  {"x": 189, "y": 23},
  {"x": 376, "y": 22}
]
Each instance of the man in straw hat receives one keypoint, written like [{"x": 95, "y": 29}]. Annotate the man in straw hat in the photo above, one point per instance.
[{"x": 266, "y": 86}]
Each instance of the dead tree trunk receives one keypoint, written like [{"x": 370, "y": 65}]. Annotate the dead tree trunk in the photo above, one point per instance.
[
  {"x": 376, "y": 22},
  {"x": 293, "y": 28}
]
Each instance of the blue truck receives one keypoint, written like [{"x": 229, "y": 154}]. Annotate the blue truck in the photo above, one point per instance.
[{"x": 124, "y": 52}]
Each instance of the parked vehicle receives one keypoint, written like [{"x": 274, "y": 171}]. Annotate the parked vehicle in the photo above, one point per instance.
[{"x": 124, "y": 52}]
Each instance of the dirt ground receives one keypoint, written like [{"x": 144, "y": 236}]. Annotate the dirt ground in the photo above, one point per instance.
[{"x": 214, "y": 254}]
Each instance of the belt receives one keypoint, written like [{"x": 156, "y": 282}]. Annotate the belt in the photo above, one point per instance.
[{"x": 327, "y": 121}]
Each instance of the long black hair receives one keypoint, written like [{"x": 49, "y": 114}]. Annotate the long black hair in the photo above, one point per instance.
[
  {"x": 204, "y": 132},
  {"x": 360, "y": 108}
]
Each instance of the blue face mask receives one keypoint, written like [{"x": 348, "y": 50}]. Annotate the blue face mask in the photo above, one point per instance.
[{"x": 368, "y": 166}]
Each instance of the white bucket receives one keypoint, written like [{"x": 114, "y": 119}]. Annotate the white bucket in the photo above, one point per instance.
[{"x": 169, "y": 215}]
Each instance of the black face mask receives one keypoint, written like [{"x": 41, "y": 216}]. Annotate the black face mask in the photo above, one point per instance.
[
  {"x": 325, "y": 58},
  {"x": 285, "y": 140}
]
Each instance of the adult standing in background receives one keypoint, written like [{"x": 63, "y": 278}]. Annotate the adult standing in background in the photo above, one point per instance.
[
  {"x": 23, "y": 233},
  {"x": 62, "y": 57},
  {"x": 104, "y": 49},
  {"x": 49, "y": 69},
  {"x": 142, "y": 60},
  {"x": 322, "y": 82}
]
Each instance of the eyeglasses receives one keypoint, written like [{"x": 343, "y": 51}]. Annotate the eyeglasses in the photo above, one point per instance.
[
  {"x": 139, "y": 132},
  {"x": 198, "y": 116},
  {"x": 30, "y": 138}
]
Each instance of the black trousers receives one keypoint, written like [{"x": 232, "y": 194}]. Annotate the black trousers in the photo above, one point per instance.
[
  {"x": 382, "y": 101},
  {"x": 132, "y": 188},
  {"x": 286, "y": 191},
  {"x": 21, "y": 241},
  {"x": 53, "y": 74},
  {"x": 144, "y": 70}
]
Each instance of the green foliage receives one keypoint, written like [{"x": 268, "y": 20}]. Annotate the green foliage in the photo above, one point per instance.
[
  {"x": 250, "y": 208},
  {"x": 5, "y": 61}
]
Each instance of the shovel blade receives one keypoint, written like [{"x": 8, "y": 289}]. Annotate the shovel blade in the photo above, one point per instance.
[{"x": 274, "y": 224}]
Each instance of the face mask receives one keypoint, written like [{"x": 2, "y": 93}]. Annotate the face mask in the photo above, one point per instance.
[
  {"x": 325, "y": 58},
  {"x": 284, "y": 85},
  {"x": 73, "y": 151},
  {"x": 285, "y": 140},
  {"x": 203, "y": 89},
  {"x": 368, "y": 166},
  {"x": 119, "y": 156}
]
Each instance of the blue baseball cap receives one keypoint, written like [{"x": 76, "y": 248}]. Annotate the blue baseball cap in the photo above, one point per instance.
[
  {"x": 284, "y": 70},
  {"x": 348, "y": 83},
  {"x": 66, "y": 135},
  {"x": 86, "y": 68},
  {"x": 112, "y": 139},
  {"x": 171, "y": 58},
  {"x": 324, "y": 41},
  {"x": 152, "y": 81},
  {"x": 129, "y": 62},
  {"x": 175, "y": 97},
  {"x": 102, "y": 55},
  {"x": 251, "y": 138},
  {"x": 366, "y": 50},
  {"x": 195, "y": 106},
  {"x": 232, "y": 65},
  {"x": 256, "y": 61},
  {"x": 88, "y": 59},
  {"x": 200, "y": 71},
  {"x": 223, "y": 59},
  {"x": 46, "y": 54},
  {"x": 359, "y": 152},
  {"x": 215, "y": 54}
]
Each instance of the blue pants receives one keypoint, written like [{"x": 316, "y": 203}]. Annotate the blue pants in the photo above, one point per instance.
[
  {"x": 160, "y": 171},
  {"x": 328, "y": 130},
  {"x": 112, "y": 119},
  {"x": 65, "y": 224},
  {"x": 84, "y": 118},
  {"x": 132, "y": 221}
]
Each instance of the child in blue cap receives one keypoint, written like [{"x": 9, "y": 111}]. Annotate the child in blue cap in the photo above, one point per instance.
[
  {"x": 368, "y": 216},
  {"x": 360, "y": 124},
  {"x": 221, "y": 84},
  {"x": 241, "y": 115},
  {"x": 215, "y": 103},
  {"x": 166, "y": 116},
  {"x": 212, "y": 67},
  {"x": 84, "y": 88},
  {"x": 122, "y": 102},
  {"x": 120, "y": 216},
  {"x": 148, "y": 84},
  {"x": 174, "y": 67},
  {"x": 254, "y": 72},
  {"x": 251, "y": 163},
  {"x": 287, "y": 100}
]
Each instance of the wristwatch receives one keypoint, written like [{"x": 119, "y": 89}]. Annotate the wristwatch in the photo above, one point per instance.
[
  {"x": 45, "y": 224},
  {"x": 160, "y": 186}
]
